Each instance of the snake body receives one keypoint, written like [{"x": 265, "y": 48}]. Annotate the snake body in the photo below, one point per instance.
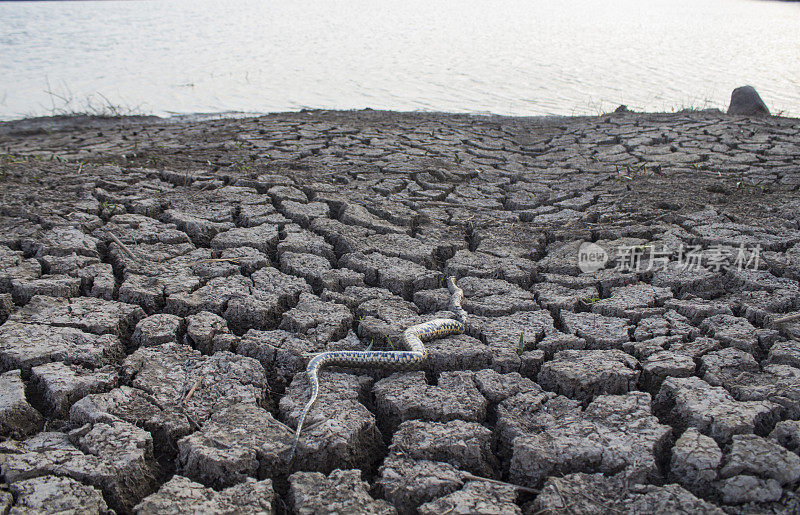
[{"x": 413, "y": 357}]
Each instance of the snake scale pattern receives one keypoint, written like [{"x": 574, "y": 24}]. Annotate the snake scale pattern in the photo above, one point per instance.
[{"x": 412, "y": 339}]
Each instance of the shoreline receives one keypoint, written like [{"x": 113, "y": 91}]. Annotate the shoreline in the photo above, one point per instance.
[{"x": 163, "y": 282}]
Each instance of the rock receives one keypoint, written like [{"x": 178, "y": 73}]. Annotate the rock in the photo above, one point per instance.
[
  {"x": 202, "y": 328},
  {"x": 477, "y": 497},
  {"x": 502, "y": 335},
  {"x": 397, "y": 275},
  {"x": 407, "y": 396},
  {"x": 17, "y": 418},
  {"x": 692, "y": 402},
  {"x": 518, "y": 271},
  {"x": 339, "y": 431},
  {"x": 235, "y": 443},
  {"x": 732, "y": 331},
  {"x": 494, "y": 297},
  {"x": 746, "y": 101},
  {"x": 741, "y": 375},
  {"x": 114, "y": 456},
  {"x": 157, "y": 329},
  {"x": 314, "y": 269},
  {"x": 182, "y": 495},
  {"x": 465, "y": 445},
  {"x": 263, "y": 238},
  {"x": 696, "y": 459},
  {"x": 54, "y": 494},
  {"x": 65, "y": 286},
  {"x": 583, "y": 375},
  {"x": 498, "y": 387},
  {"x": 318, "y": 321},
  {"x": 96, "y": 316},
  {"x": 600, "y": 332},
  {"x": 663, "y": 364},
  {"x": 342, "y": 491},
  {"x": 598, "y": 494},
  {"x": 407, "y": 483},
  {"x": 785, "y": 353},
  {"x": 59, "y": 385},
  {"x": 753, "y": 455},
  {"x": 457, "y": 352},
  {"x": 161, "y": 379},
  {"x": 6, "y": 306},
  {"x": 634, "y": 302},
  {"x": 555, "y": 296},
  {"x": 669, "y": 324},
  {"x": 744, "y": 489},
  {"x": 27, "y": 345},
  {"x": 787, "y": 433},
  {"x": 601, "y": 438}
]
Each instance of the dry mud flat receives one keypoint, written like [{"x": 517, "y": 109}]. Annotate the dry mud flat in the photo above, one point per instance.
[{"x": 162, "y": 283}]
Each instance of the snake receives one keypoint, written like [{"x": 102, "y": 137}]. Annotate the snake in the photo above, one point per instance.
[{"x": 414, "y": 356}]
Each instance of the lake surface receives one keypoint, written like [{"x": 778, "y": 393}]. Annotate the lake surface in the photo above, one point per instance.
[{"x": 515, "y": 57}]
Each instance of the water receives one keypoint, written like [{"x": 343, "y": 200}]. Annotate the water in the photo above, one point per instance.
[{"x": 516, "y": 57}]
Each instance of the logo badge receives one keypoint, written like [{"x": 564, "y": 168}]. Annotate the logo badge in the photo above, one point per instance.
[{"x": 591, "y": 257}]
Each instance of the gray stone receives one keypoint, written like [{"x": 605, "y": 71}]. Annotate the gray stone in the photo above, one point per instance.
[
  {"x": 51, "y": 285},
  {"x": 585, "y": 374},
  {"x": 407, "y": 483},
  {"x": 696, "y": 459},
  {"x": 407, "y": 396},
  {"x": 600, "y": 332},
  {"x": 741, "y": 375},
  {"x": 263, "y": 238},
  {"x": 746, "y": 101},
  {"x": 692, "y": 402},
  {"x": 465, "y": 445},
  {"x": 339, "y": 431},
  {"x": 785, "y": 353},
  {"x": 457, "y": 352},
  {"x": 202, "y": 328},
  {"x": 494, "y": 297},
  {"x": 554, "y": 296},
  {"x": 6, "y": 306},
  {"x": 598, "y": 494},
  {"x": 518, "y": 271},
  {"x": 633, "y": 302},
  {"x": 160, "y": 380},
  {"x": 181, "y": 495},
  {"x": 114, "y": 456},
  {"x": 397, "y": 275},
  {"x": 661, "y": 365},
  {"x": 745, "y": 489},
  {"x": 787, "y": 433},
  {"x": 88, "y": 314},
  {"x": 601, "y": 439},
  {"x": 17, "y": 418},
  {"x": 316, "y": 320},
  {"x": 59, "y": 385},
  {"x": 668, "y": 324},
  {"x": 54, "y": 494},
  {"x": 342, "y": 491},
  {"x": 157, "y": 329},
  {"x": 732, "y": 331},
  {"x": 753, "y": 455},
  {"x": 27, "y": 345},
  {"x": 502, "y": 335},
  {"x": 235, "y": 443},
  {"x": 314, "y": 269},
  {"x": 477, "y": 497},
  {"x": 200, "y": 230}
]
